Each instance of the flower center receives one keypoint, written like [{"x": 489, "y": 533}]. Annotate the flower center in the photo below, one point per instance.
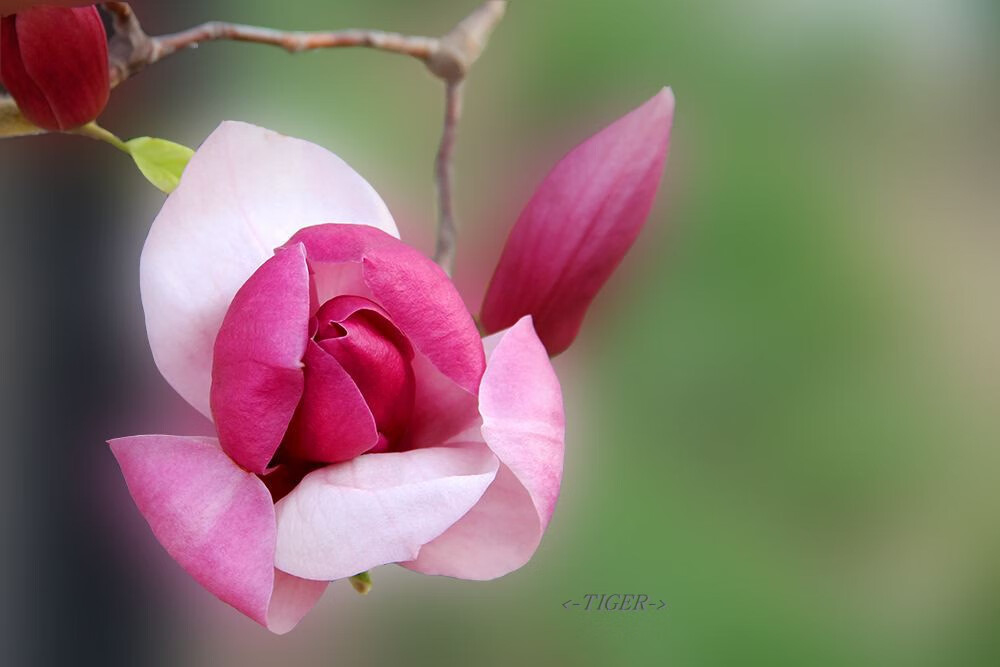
[
  {"x": 359, "y": 385},
  {"x": 377, "y": 356}
]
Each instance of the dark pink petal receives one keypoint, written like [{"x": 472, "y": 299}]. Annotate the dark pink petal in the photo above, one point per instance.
[
  {"x": 418, "y": 296},
  {"x": 579, "y": 224},
  {"x": 523, "y": 423},
  {"x": 377, "y": 357},
  {"x": 341, "y": 308},
  {"x": 376, "y": 509},
  {"x": 257, "y": 376},
  {"x": 441, "y": 409},
  {"x": 282, "y": 478},
  {"x": 217, "y": 521},
  {"x": 244, "y": 193},
  {"x": 333, "y": 422}
]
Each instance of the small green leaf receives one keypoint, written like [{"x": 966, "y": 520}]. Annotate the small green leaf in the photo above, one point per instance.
[{"x": 162, "y": 162}]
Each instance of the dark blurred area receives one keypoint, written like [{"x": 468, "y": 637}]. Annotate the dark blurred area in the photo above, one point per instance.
[
  {"x": 783, "y": 413},
  {"x": 69, "y": 594}
]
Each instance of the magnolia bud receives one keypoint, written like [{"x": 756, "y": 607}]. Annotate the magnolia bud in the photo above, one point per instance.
[
  {"x": 54, "y": 62},
  {"x": 578, "y": 226}
]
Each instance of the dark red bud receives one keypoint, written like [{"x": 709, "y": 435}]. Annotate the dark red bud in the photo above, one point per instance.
[{"x": 54, "y": 62}]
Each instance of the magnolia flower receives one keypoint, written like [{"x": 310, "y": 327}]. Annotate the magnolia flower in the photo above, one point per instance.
[
  {"x": 54, "y": 62},
  {"x": 360, "y": 420}
]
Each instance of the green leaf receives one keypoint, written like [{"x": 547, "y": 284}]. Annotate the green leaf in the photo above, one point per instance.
[{"x": 162, "y": 162}]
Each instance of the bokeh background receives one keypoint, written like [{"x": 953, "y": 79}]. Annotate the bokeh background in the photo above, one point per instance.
[{"x": 784, "y": 411}]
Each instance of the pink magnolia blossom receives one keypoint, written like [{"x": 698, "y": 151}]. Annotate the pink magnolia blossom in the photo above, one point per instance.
[
  {"x": 579, "y": 224},
  {"x": 360, "y": 419}
]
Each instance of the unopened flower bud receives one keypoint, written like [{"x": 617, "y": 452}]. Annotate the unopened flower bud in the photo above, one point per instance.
[{"x": 54, "y": 62}]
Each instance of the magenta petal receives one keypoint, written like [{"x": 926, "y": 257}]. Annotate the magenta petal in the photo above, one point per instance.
[
  {"x": 341, "y": 308},
  {"x": 523, "y": 423},
  {"x": 257, "y": 375},
  {"x": 441, "y": 409},
  {"x": 217, "y": 521},
  {"x": 579, "y": 224},
  {"x": 376, "y": 509},
  {"x": 333, "y": 422},
  {"x": 377, "y": 357},
  {"x": 418, "y": 296},
  {"x": 245, "y": 192}
]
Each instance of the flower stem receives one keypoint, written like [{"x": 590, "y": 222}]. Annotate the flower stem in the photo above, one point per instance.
[
  {"x": 362, "y": 583},
  {"x": 95, "y": 131}
]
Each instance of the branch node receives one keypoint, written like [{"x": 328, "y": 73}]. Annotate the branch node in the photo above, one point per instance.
[
  {"x": 462, "y": 45},
  {"x": 130, "y": 48}
]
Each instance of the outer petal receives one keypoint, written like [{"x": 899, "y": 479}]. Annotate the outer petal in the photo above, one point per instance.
[
  {"x": 377, "y": 508},
  {"x": 523, "y": 423},
  {"x": 579, "y": 224},
  {"x": 217, "y": 521},
  {"x": 257, "y": 375},
  {"x": 418, "y": 296},
  {"x": 244, "y": 193}
]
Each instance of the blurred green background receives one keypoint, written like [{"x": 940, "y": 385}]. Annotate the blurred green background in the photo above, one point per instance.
[{"x": 784, "y": 411}]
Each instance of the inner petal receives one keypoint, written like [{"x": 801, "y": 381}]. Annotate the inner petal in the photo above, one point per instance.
[
  {"x": 360, "y": 336},
  {"x": 333, "y": 421}
]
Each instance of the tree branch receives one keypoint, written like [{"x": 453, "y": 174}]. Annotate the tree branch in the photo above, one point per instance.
[
  {"x": 132, "y": 50},
  {"x": 294, "y": 42},
  {"x": 449, "y": 58},
  {"x": 451, "y": 62},
  {"x": 444, "y": 250}
]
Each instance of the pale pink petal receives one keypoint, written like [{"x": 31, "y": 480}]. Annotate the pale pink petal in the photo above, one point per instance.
[
  {"x": 292, "y": 598},
  {"x": 523, "y": 423},
  {"x": 579, "y": 224},
  {"x": 244, "y": 193},
  {"x": 418, "y": 296},
  {"x": 217, "y": 521},
  {"x": 378, "y": 508},
  {"x": 257, "y": 375}
]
